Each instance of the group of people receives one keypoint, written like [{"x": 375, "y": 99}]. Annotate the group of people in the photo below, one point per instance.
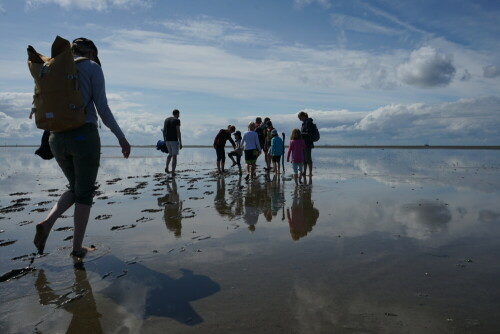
[
  {"x": 261, "y": 136},
  {"x": 78, "y": 151}
]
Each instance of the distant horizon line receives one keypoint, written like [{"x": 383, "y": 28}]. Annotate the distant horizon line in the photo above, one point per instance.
[{"x": 457, "y": 147}]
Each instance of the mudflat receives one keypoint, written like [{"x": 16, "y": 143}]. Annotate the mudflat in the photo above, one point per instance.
[{"x": 376, "y": 241}]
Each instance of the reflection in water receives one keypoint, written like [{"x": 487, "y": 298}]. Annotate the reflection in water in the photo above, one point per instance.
[
  {"x": 302, "y": 216},
  {"x": 266, "y": 198},
  {"x": 434, "y": 217},
  {"x": 172, "y": 215},
  {"x": 79, "y": 302},
  {"x": 232, "y": 207},
  {"x": 489, "y": 216},
  {"x": 220, "y": 203},
  {"x": 146, "y": 293},
  {"x": 276, "y": 198}
]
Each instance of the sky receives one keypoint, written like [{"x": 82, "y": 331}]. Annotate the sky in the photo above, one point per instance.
[{"x": 378, "y": 72}]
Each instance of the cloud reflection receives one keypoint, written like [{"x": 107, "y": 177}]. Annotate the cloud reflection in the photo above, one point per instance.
[{"x": 423, "y": 219}]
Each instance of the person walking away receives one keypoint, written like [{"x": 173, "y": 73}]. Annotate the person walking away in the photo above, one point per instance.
[
  {"x": 78, "y": 151},
  {"x": 276, "y": 151},
  {"x": 252, "y": 148},
  {"x": 173, "y": 139},
  {"x": 220, "y": 143},
  {"x": 237, "y": 152},
  {"x": 306, "y": 131},
  {"x": 296, "y": 150}
]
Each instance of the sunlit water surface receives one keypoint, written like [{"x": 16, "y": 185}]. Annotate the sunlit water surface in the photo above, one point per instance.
[{"x": 378, "y": 241}]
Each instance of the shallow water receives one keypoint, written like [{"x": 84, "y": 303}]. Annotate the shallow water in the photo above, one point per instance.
[{"x": 379, "y": 241}]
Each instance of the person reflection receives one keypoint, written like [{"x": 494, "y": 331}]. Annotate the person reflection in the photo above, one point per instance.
[
  {"x": 277, "y": 197},
  {"x": 220, "y": 203},
  {"x": 254, "y": 200},
  {"x": 236, "y": 198},
  {"x": 302, "y": 216},
  {"x": 79, "y": 302},
  {"x": 172, "y": 216}
]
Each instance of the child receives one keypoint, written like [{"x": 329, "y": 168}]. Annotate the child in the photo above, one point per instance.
[
  {"x": 267, "y": 143},
  {"x": 237, "y": 152},
  {"x": 296, "y": 148},
  {"x": 276, "y": 150}
]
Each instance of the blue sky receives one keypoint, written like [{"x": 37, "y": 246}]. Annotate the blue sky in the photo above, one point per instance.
[{"x": 367, "y": 72}]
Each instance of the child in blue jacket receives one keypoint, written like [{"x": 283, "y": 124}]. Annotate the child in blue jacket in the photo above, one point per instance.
[{"x": 276, "y": 151}]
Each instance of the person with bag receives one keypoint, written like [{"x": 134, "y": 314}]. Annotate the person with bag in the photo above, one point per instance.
[
  {"x": 78, "y": 151},
  {"x": 173, "y": 139},
  {"x": 310, "y": 135}
]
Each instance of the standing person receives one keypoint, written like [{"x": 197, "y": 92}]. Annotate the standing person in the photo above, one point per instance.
[
  {"x": 220, "y": 143},
  {"x": 78, "y": 151},
  {"x": 267, "y": 143},
  {"x": 276, "y": 151},
  {"x": 251, "y": 145},
  {"x": 296, "y": 149},
  {"x": 173, "y": 140},
  {"x": 237, "y": 152},
  {"x": 261, "y": 129},
  {"x": 258, "y": 122},
  {"x": 306, "y": 131}
]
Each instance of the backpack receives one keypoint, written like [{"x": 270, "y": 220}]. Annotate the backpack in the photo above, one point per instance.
[
  {"x": 57, "y": 101},
  {"x": 315, "y": 132}
]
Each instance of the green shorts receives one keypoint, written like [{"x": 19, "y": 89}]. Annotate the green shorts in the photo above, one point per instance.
[
  {"x": 251, "y": 156},
  {"x": 78, "y": 153}
]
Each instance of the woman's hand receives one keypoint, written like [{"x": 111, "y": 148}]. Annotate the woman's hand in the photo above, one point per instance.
[{"x": 125, "y": 147}]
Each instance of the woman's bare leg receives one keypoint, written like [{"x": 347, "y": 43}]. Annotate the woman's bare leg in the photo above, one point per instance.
[
  {"x": 81, "y": 219},
  {"x": 43, "y": 228}
]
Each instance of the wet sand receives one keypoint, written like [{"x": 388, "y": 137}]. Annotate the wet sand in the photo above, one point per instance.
[{"x": 377, "y": 241}]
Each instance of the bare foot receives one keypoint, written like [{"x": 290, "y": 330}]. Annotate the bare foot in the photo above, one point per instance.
[
  {"x": 41, "y": 236},
  {"x": 82, "y": 252}
]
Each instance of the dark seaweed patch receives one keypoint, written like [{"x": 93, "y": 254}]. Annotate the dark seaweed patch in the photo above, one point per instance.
[
  {"x": 103, "y": 217},
  {"x": 122, "y": 227}
]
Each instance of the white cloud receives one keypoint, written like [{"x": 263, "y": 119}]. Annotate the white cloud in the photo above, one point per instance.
[
  {"x": 16, "y": 105},
  {"x": 491, "y": 71},
  {"x": 352, "y": 23},
  {"x": 424, "y": 218},
  {"x": 458, "y": 121},
  {"x": 427, "y": 68},
  {"x": 463, "y": 122},
  {"x": 207, "y": 29},
  {"x": 98, "y": 5},
  {"x": 304, "y": 3},
  {"x": 392, "y": 18}
]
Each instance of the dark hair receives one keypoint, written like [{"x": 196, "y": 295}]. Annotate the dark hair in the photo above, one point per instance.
[
  {"x": 231, "y": 128},
  {"x": 82, "y": 45},
  {"x": 267, "y": 119},
  {"x": 269, "y": 124},
  {"x": 303, "y": 114},
  {"x": 258, "y": 120},
  {"x": 175, "y": 112}
]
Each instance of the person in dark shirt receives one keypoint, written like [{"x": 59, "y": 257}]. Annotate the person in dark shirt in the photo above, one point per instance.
[
  {"x": 172, "y": 138},
  {"x": 220, "y": 142},
  {"x": 261, "y": 129},
  {"x": 306, "y": 132}
]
